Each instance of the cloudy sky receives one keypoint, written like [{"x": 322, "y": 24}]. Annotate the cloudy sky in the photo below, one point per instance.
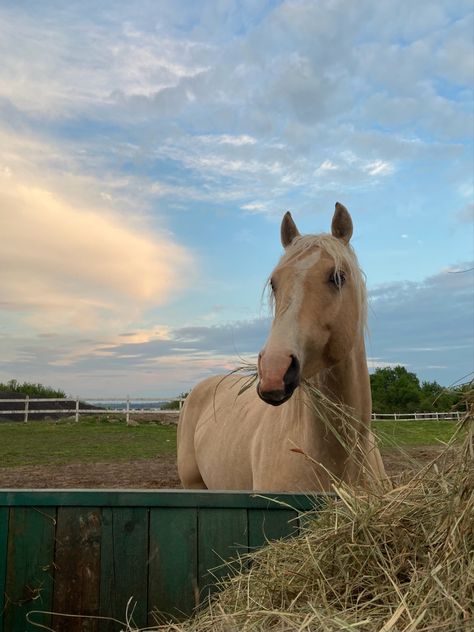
[{"x": 148, "y": 151}]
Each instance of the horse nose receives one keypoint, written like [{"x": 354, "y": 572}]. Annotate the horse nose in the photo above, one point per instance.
[
  {"x": 279, "y": 376},
  {"x": 291, "y": 378}
]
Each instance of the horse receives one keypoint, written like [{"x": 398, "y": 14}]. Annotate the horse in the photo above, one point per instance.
[{"x": 272, "y": 437}]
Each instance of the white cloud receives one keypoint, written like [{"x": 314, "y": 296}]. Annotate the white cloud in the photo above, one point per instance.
[
  {"x": 378, "y": 168},
  {"x": 254, "y": 206},
  {"x": 243, "y": 139},
  {"x": 64, "y": 67},
  {"x": 327, "y": 165}
]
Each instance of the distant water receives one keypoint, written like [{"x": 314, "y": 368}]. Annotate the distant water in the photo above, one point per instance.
[{"x": 133, "y": 405}]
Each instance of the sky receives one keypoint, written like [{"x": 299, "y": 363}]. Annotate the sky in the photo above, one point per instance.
[{"x": 149, "y": 150}]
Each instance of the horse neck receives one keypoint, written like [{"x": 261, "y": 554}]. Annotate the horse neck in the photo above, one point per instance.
[{"x": 348, "y": 382}]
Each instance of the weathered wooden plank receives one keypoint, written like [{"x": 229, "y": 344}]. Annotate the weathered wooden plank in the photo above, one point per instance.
[
  {"x": 4, "y": 513},
  {"x": 173, "y": 574},
  {"x": 29, "y": 577},
  {"x": 123, "y": 561},
  {"x": 267, "y": 525},
  {"x": 161, "y": 498},
  {"x": 77, "y": 564},
  {"x": 222, "y": 535}
]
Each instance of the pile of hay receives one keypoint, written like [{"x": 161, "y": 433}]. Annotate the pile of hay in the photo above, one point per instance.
[{"x": 380, "y": 561}]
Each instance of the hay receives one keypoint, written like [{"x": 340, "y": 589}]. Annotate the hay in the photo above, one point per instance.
[{"x": 375, "y": 560}]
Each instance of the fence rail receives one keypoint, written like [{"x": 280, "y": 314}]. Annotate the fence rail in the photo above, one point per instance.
[
  {"x": 76, "y": 410},
  {"x": 418, "y": 416},
  {"x": 127, "y": 409}
]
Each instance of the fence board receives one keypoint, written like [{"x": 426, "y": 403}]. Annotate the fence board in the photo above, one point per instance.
[
  {"x": 173, "y": 576},
  {"x": 223, "y": 534},
  {"x": 3, "y": 559},
  {"x": 264, "y": 527},
  {"x": 123, "y": 562},
  {"x": 77, "y": 563},
  {"x": 161, "y": 498},
  {"x": 29, "y": 576}
]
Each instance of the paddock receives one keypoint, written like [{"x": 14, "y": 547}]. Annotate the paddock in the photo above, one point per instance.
[{"x": 88, "y": 552}]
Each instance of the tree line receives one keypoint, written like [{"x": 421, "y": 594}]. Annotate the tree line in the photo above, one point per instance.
[{"x": 396, "y": 390}]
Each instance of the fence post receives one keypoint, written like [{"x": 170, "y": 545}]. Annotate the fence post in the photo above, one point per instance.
[
  {"x": 27, "y": 405},
  {"x": 127, "y": 416},
  {"x": 180, "y": 405},
  {"x": 77, "y": 408}
]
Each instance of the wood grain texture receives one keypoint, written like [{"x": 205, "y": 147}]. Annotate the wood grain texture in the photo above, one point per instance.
[
  {"x": 30, "y": 570},
  {"x": 173, "y": 576},
  {"x": 77, "y": 563},
  {"x": 222, "y": 535},
  {"x": 124, "y": 570}
]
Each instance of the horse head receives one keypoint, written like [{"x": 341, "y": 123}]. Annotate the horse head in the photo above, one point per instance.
[{"x": 319, "y": 307}]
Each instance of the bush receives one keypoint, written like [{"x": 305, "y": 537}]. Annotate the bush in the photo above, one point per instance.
[{"x": 31, "y": 389}]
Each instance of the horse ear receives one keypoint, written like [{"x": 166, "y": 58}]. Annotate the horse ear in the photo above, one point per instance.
[
  {"x": 341, "y": 226},
  {"x": 288, "y": 230}
]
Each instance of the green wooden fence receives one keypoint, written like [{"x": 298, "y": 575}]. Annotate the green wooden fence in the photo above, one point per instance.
[{"x": 88, "y": 552}]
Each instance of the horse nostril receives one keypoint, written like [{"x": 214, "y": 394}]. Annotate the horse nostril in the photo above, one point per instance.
[{"x": 292, "y": 375}]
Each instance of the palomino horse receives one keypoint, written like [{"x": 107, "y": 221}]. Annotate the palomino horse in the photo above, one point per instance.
[{"x": 273, "y": 438}]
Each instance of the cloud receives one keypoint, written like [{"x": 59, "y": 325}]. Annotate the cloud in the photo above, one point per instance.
[
  {"x": 69, "y": 264},
  {"x": 426, "y": 326},
  {"x": 71, "y": 60},
  {"x": 254, "y": 106},
  {"x": 419, "y": 323}
]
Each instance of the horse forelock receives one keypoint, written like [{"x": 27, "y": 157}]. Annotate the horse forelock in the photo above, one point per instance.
[{"x": 344, "y": 259}]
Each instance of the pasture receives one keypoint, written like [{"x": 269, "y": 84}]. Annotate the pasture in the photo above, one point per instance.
[
  {"x": 95, "y": 440},
  {"x": 91, "y": 440}
]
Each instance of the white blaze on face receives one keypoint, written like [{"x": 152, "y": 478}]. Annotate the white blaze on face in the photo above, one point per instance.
[{"x": 283, "y": 340}]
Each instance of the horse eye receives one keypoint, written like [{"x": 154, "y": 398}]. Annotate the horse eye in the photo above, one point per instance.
[
  {"x": 337, "y": 278},
  {"x": 272, "y": 285}
]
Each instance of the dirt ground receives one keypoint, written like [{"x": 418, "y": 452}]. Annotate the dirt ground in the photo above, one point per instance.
[{"x": 160, "y": 473}]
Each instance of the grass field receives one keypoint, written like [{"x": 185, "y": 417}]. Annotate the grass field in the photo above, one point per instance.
[
  {"x": 88, "y": 441},
  {"x": 96, "y": 440},
  {"x": 406, "y": 433}
]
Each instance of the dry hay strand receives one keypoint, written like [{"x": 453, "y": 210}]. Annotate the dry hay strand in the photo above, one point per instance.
[{"x": 373, "y": 560}]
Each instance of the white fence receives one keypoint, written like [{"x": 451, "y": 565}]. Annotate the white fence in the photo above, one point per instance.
[
  {"x": 418, "y": 416},
  {"x": 129, "y": 408},
  {"x": 76, "y": 410}
]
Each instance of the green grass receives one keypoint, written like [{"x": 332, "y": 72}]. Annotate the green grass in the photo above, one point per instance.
[
  {"x": 406, "y": 433},
  {"x": 97, "y": 440},
  {"x": 88, "y": 441}
]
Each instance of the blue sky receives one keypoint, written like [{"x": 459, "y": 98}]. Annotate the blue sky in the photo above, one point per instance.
[{"x": 148, "y": 151}]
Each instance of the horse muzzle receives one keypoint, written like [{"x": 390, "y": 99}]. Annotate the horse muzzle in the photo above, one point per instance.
[{"x": 275, "y": 390}]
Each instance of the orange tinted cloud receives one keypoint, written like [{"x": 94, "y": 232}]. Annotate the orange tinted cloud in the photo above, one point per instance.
[{"x": 64, "y": 264}]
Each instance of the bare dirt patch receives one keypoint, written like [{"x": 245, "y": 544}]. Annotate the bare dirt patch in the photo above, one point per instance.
[{"x": 159, "y": 473}]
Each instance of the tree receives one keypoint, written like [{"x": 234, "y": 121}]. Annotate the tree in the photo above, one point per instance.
[
  {"x": 435, "y": 397},
  {"x": 394, "y": 389}
]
